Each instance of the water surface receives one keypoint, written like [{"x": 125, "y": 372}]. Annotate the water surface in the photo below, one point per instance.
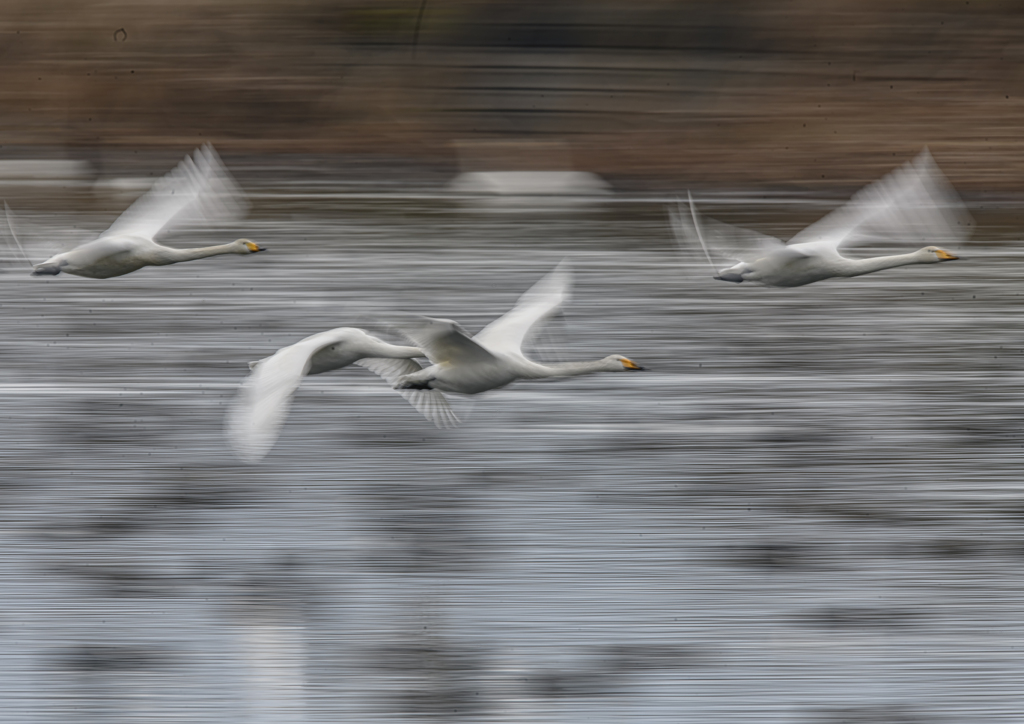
[{"x": 808, "y": 510}]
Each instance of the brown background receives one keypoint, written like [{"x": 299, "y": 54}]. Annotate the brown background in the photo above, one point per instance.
[{"x": 788, "y": 93}]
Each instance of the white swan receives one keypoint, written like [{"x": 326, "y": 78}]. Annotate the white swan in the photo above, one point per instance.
[
  {"x": 261, "y": 405},
  {"x": 914, "y": 201},
  {"x": 198, "y": 190},
  {"x": 494, "y": 357}
]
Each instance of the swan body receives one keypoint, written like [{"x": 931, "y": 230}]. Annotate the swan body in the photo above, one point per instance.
[
  {"x": 261, "y": 405},
  {"x": 118, "y": 255},
  {"x": 494, "y": 357},
  {"x": 793, "y": 269},
  {"x": 914, "y": 201},
  {"x": 198, "y": 190}
]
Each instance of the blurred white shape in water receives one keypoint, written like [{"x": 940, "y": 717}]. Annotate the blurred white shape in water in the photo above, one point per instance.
[
  {"x": 44, "y": 170},
  {"x": 494, "y": 357},
  {"x": 913, "y": 203},
  {"x": 274, "y": 658},
  {"x": 529, "y": 183},
  {"x": 261, "y": 405},
  {"x": 198, "y": 192},
  {"x": 522, "y": 167}
]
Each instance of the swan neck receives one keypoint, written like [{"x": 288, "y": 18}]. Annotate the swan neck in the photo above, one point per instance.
[
  {"x": 173, "y": 256},
  {"x": 575, "y": 369},
  {"x": 857, "y": 267},
  {"x": 399, "y": 352}
]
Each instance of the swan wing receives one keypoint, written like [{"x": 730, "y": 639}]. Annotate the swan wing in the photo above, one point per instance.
[
  {"x": 508, "y": 333},
  {"x": 198, "y": 191},
  {"x": 444, "y": 341},
  {"x": 432, "y": 404},
  {"x": 29, "y": 240},
  {"x": 261, "y": 405},
  {"x": 914, "y": 202},
  {"x": 728, "y": 242}
]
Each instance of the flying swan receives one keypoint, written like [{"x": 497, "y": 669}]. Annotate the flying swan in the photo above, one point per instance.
[
  {"x": 199, "y": 190},
  {"x": 912, "y": 202},
  {"x": 494, "y": 357},
  {"x": 261, "y": 405}
]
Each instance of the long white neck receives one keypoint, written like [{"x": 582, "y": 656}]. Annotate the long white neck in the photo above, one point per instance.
[
  {"x": 393, "y": 351},
  {"x": 856, "y": 267},
  {"x": 575, "y": 369},
  {"x": 167, "y": 255}
]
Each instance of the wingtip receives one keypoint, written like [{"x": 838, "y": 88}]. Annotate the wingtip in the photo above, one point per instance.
[
  {"x": 924, "y": 161},
  {"x": 563, "y": 273},
  {"x": 448, "y": 423},
  {"x": 241, "y": 441},
  {"x": 692, "y": 203}
]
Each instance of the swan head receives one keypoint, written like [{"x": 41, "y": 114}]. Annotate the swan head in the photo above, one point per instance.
[
  {"x": 618, "y": 363},
  {"x": 244, "y": 246},
  {"x": 934, "y": 254}
]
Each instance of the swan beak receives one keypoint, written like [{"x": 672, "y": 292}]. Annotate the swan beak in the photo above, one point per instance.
[
  {"x": 945, "y": 255},
  {"x": 254, "y": 247},
  {"x": 631, "y": 365}
]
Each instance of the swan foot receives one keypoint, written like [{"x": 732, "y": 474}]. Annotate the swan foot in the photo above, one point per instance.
[
  {"x": 415, "y": 385},
  {"x": 46, "y": 270}
]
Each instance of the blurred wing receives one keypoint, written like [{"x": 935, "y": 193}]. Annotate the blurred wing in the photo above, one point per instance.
[
  {"x": 727, "y": 242},
  {"x": 432, "y": 404},
  {"x": 28, "y": 240},
  {"x": 198, "y": 191},
  {"x": 261, "y": 405},
  {"x": 913, "y": 203},
  {"x": 508, "y": 333},
  {"x": 444, "y": 341},
  {"x": 12, "y": 239}
]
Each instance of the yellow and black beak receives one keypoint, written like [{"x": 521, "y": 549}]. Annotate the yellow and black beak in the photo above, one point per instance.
[
  {"x": 254, "y": 247},
  {"x": 945, "y": 255},
  {"x": 631, "y": 365}
]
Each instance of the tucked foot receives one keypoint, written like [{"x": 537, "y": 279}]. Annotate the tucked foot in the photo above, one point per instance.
[
  {"x": 410, "y": 385},
  {"x": 730, "y": 278},
  {"x": 46, "y": 270}
]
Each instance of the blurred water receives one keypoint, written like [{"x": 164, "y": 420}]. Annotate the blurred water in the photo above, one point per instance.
[{"x": 808, "y": 511}]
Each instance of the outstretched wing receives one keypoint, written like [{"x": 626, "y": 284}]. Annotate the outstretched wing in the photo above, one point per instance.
[
  {"x": 432, "y": 404},
  {"x": 913, "y": 203},
  {"x": 508, "y": 333},
  {"x": 443, "y": 341},
  {"x": 727, "y": 242},
  {"x": 198, "y": 191},
  {"x": 259, "y": 409}
]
